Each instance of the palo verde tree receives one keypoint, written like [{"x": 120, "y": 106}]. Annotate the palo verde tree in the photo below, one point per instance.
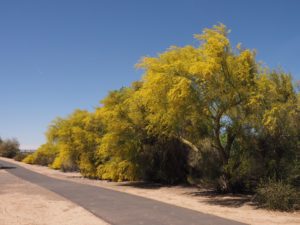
[
  {"x": 210, "y": 109},
  {"x": 211, "y": 91},
  {"x": 127, "y": 150},
  {"x": 71, "y": 144}
]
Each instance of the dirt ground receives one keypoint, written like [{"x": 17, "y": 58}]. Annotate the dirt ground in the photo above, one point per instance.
[
  {"x": 235, "y": 207},
  {"x": 23, "y": 203}
]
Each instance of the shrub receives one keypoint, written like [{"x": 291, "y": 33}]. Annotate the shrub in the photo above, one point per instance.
[
  {"x": 277, "y": 195},
  {"x": 64, "y": 160},
  {"x": 87, "y": 165},
  {"x": 21, "y": 155},
  {"x": 9, "y": 148},
  {"x": 29, "y": 159},
  {"x": 117, "y": 170},
  {"x": 44, "y": 156},
  {"x": 164, "y": 161}
]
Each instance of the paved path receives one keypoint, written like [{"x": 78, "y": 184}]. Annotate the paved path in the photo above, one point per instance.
[
  {"x": 20, "y": 205},
  {"x": 115, "y": 207}
]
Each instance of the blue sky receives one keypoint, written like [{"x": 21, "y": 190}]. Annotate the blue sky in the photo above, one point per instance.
[{"x": 59, "y": 55}]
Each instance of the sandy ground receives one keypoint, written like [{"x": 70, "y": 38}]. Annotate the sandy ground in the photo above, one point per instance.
[
  {"x": 23, "y": 203},
  {"x": 233, "y": 207}
]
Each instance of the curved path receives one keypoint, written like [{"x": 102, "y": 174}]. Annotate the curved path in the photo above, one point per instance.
[{"x": 115, "y": 207}]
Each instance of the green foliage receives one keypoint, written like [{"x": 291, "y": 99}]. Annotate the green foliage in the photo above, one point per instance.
[
  {"x": 9, "y": 148},
  {"x": 205, "y": 165},
  {"x": 277, "y": 196},
  {"x": 164, "y": 160}
]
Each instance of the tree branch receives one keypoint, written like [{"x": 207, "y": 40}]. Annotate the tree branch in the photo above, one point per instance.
[{"x": 190, "y": 144}]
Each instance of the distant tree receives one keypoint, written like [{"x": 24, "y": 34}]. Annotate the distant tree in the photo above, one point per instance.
[{"x": 9, "y": 148}]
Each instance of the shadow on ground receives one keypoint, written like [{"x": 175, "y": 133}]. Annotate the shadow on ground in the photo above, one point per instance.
[
  {"x": 229, "y": 200},
  {"x": 143, "y": 185},
  {"x": 7, "y": 167},
  {"x": 208, "y": 196}
]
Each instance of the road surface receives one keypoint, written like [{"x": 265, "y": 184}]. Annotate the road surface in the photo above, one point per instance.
[{"x": 115, "y": 207}]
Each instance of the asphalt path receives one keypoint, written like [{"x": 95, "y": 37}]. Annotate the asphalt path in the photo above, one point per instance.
[{"x": 117, "y": 208}]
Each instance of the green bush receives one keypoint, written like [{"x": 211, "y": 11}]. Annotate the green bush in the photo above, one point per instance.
[
  {"x": 277, "y": 195},
  {"x": 21, "y": 155},
  {"x": 164, "y": 161},
  {"x": 9, "y": 148}
]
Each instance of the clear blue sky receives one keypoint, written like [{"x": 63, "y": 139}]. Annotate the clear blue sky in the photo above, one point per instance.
[{"x": 58, "y": 55}]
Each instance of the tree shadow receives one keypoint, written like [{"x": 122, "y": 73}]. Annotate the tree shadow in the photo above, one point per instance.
[
  {"x": 228, "y": 200},
  {"x": 7, "y": 167},
  {"x": 143, "y": 185},
  {"x": 76, "y": 177},
  {"x": 209, "y": 196},
  {"x": 152, "y": 185}
]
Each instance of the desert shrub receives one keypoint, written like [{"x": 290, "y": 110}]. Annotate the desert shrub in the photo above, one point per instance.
[
  {"x": 87, "y": 165},
  {"x": 204, "y": 166},
  {"x": 164, "y": 161},
  {"x": 117, "y": 170},
  {"x": 9, "y": 148},
  {"x": 277, "y": 195},
  {"x": 64, "y": 163},
  {"x": 294, "y": 175},
  {"x": 29, "y": 159},
  {"x": 21, "y": 155},
  {"x": 244, "y": 169},
  {"x": 44, "y": 156}
]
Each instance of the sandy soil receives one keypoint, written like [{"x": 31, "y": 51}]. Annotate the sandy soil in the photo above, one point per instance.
[
  {"x": 235, "y": 207},
  {"x": 23, "y": 203}
]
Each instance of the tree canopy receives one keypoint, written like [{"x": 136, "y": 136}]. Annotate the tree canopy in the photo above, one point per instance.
[{"x": 210, "y": 112}]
